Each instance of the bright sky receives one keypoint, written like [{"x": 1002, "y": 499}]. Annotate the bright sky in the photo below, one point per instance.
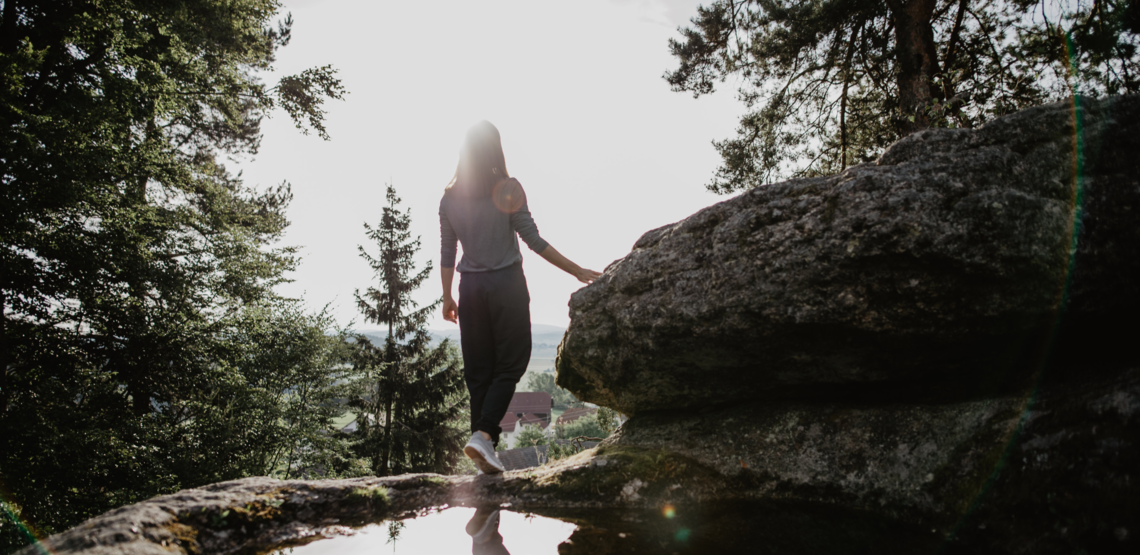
[{"x": 603, "y": 148}]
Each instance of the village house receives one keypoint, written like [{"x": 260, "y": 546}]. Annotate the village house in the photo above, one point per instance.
[
  {"x": 574, "y": 413},
  {"x": 527, "y": 408}
]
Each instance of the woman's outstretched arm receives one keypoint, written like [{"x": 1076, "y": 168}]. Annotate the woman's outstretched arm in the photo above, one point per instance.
[
  {"x": 554, "y": 257},
  {"x": 450, "y": 308}
]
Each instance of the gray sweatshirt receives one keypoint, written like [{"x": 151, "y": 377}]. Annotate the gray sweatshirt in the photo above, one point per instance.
[{"x": 489, "y": 235}]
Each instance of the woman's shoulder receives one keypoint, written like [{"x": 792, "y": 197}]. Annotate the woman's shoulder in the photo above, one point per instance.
[{"x": 509, "y": 195}]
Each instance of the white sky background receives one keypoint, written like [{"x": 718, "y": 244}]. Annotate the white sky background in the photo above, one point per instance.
[{"x": 602, "y": 146}]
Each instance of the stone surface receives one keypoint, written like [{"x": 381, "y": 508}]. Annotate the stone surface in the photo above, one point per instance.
[
  {"x": 1051, "y": 472},
  {"x": 261, "y": 515},
  {"x": 938, "y": 271},
  {"x": 1054, "y": 471}
]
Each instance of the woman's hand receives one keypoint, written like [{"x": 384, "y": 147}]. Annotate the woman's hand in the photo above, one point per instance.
[
  {"x": 587, "y": 276},
  {"x": 561, "y": 262},
  {"x": 450, "y": 310}
]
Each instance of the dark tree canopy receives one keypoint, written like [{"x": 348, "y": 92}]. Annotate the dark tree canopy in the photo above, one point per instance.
[
  {"x": 132, "y": 260},
  {"x": 409, "y": 396},
  {"x": 830, "y": 83}
]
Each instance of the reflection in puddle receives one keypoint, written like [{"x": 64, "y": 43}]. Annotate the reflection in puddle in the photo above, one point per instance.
[
  {"x": 455, "y": 530},
  {"x": 774, "y": 528}
]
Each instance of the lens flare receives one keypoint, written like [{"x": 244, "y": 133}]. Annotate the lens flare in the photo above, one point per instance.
[
  {"x": 1076, "y": 210},
  {"x": 682, "y": 535},
  {"x": 508, "y": 196},
  {"x": 669, "y": 511},
  {"x": 26, "y": 528}
]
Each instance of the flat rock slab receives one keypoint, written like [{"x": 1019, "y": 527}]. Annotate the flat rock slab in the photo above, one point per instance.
[
  {"x": 939, "y": 270},
  {"x": 262, "y": 515}
]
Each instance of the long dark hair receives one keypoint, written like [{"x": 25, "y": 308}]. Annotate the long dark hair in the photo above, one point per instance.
[{"x": 481, "y": 162}]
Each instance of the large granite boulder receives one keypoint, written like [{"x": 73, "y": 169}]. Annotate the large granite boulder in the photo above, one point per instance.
[{"x": 940, "y": 272}]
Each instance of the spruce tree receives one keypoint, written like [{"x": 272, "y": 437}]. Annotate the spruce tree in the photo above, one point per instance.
[{"x": 410, "y": 396}]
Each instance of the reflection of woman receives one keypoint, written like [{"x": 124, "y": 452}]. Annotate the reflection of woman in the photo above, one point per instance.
[
  {"x": 484, "y": 531},
  {"x": 485, "y": 210}
]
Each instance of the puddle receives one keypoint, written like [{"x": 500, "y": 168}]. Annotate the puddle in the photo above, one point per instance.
[
  {"x": 447, "y": 532},
  {"x": 776, "y": 528}
]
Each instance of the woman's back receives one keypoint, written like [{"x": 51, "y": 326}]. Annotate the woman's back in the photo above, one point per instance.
[{"x": 488, "y": 226}]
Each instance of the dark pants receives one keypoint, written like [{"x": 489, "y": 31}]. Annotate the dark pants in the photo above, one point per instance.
[{"x": 494, "y": 331}]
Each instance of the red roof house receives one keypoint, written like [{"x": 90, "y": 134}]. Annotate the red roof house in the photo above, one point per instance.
[
  {"x": 575, "y": 413},
  {"x": 534, "y": 420},
  {"x": 526, "y": 409},
  {"x": 535, "y": 402},
  {"x": 509, "y": 421}
]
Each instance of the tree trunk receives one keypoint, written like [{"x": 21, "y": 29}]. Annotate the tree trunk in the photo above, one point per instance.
[
  {"x": 386, "y": 448},
  {"x": 843, "y": 97},
  {"x": 951, "y": 103},
  {"x": 5, "y": 389},
  {"x": 917, "y": 60},
  {"x": 9, "y": 38}
]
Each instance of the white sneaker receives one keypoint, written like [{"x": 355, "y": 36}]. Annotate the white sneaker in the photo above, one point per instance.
[
  {"x": 483, "y": 525},
  {"x": 482, "y": 453}
]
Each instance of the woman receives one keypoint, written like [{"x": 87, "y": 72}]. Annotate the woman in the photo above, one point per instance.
[{"x": 485, "y": 209}]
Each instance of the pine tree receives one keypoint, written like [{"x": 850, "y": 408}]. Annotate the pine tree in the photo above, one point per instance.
[
  {"x": 830, "y": 83},
  {"x": 410, "y": 397}
]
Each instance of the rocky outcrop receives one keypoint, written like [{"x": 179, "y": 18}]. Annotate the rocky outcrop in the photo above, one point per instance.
[
  {"x": 943, "y": 337},
  {"x": 1052, "y": 472},
  {"x": 937, "y": 272},
  {"x": 1047, "y": 473}
]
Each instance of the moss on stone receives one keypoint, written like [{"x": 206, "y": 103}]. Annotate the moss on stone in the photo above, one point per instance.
[
  {"x": 185, "y": 536},
  {"x": 376, "y": 495},
  {"x": 435, "y": 481}
]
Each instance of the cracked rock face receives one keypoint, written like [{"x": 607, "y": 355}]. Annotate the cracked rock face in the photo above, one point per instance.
[{"x": 938, "y": 271}]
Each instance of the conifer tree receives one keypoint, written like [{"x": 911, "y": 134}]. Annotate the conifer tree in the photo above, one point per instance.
[
  {"x": 830, "y": 83},
  {"x": 410, "y": 396},
  {"x": 132, "y": 260}
]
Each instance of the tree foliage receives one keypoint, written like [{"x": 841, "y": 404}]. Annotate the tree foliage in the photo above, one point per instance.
[
  {"x": 587, "y": 426},
  {"x": 607, "y": 420},
  {"x": 530, "y": 436},
  {"x": 295, "y": 366},
  {"x": 142, "y": 349},
  {"x": 830, "y": 83},
  {"x": 409, "y": 395},
  {"x": 544, "y": 381}
]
